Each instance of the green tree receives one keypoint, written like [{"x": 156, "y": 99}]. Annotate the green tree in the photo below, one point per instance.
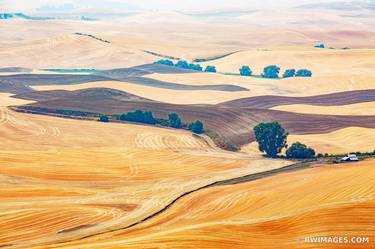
[
  {"x": 300, "y": 151},
  {"x": 303, "y": 73},
  {"x": 320, "y": 46},
  {"x": 271, "y": 138},
  {"x": 245, "y": 71},
  {"x": 196, "y": 67},
  {"x": 104, "y": 119},
  {"x": 165, "y": 62},
  {"x": 210, "y": 69},
  {"x": 271, "y": 72},
  {"x": 289, "y": 73},
  {"x": 149, "y": 118},
  {"x": 174, "y": 120},
  {"x": 182, "y": 64},
  {"x": 197, "y": 127},
  {"x": 139, "y": 117}
]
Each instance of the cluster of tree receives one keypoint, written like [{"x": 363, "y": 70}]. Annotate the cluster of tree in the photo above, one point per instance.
[
  {"x": 145, "y": 117},
  {"x": 6, "y": 15},
  {"x": 104, "y": 118},
  {"x": 210, "y": 69},
  {"x": 272, "y": 72},
  {"x": 186, "y": 65},
  {"x": 196, "y": 127},
  {"x": 289, "y": 73},
  {"x": 165, "y": 62},
  {"x": 138, "y": 116},
  {"x": 300, "y": 151},
  {"x": 245, "y": 71},
  {"x": 300, "y": 73},
  {"x": 272, "y": 139},
  {"x": 320, "y": 46}
]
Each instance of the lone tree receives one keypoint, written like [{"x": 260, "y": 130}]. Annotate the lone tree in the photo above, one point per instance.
[
  {"x": 271, "y": 138},
  {"x": 289, "y": 73},
  {"x": 210, "y": 69},
  {"x": 303, "y": 73},
  {"x": 104, "y": 119},
  {"x": 197, "y": 127},
  {"x": 174, "y": 120},
  {"x": 245, "y": 71},
  {"x": 271, "y": 72},
  {"x": 300, "y": 151}
]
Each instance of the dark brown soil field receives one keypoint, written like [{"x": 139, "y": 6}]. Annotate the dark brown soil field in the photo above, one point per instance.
[
  {"x": 20, "y": 83},
  {"x": 342, "y": 98},
  {"x": 233, "y": 123}
]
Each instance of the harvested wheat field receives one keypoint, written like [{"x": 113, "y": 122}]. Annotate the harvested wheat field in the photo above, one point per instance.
[
  {"x": 116, "y": 130},
  {"x": 279, "y": 210},
  {"x": 118, "y": 174}
]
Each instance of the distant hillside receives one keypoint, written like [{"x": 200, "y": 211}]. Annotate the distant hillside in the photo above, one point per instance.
[{"x": 341, "y": 5}]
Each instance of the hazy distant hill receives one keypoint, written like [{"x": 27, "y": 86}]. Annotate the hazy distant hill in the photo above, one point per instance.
[{"x": 341, "y": 5}]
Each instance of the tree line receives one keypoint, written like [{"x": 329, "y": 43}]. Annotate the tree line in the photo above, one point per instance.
[
  {"x": 269, "y": 72},
  {"x": 186, "y": 65},
  {"x": 272, "y": 139},
  {"x": 273, "y": 71},
  {"x": 145, "y": 117}
]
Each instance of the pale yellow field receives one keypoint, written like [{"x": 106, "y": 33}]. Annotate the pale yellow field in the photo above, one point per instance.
[
  {"x": 341, "y": 141},
  {"x": 367, "y": 108},
  {"x": 158, "y": 94},
  {"x": 267, "y": 213},
  {"x": 72, "y": 51},
  {"x": 340, "y": 71},
  {"x": 336, "y": 62},
  {"x": 6, "y": 99}
]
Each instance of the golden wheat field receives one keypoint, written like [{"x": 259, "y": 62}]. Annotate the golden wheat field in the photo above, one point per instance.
[
  {"x": 296, "y": 205},
  {"x": 117, "y": 174},
  {"x": 69, "y": 181}
]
